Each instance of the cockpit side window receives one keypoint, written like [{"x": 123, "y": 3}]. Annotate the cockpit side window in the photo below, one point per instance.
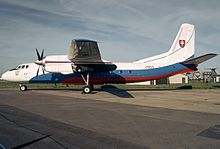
[
  {"x": 23, "y": 66},
  {"x": 27, "y": 66}
]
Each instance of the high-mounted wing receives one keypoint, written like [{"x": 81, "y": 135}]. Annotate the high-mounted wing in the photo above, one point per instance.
[{"x": 86, "y": 57}]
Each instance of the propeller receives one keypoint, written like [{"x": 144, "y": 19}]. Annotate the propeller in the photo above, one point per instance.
[{"x": 40, "y": 61}]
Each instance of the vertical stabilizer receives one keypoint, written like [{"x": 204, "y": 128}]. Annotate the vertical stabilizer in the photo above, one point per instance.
[{"x": 183, "y": 46}]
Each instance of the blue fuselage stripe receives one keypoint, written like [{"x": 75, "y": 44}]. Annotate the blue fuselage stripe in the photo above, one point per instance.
[{"x": 59, "y": 78}]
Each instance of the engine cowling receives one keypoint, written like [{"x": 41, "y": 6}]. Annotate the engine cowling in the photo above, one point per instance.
[
  {"x": 81, "y": 69},
  {"x": 58, "y": 64}
]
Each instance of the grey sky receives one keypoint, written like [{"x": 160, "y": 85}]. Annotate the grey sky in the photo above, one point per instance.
[{"x": 126, "y": 30}]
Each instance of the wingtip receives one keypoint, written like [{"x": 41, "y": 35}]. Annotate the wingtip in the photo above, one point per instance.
[
  {"x": 200, "y": 59},
  {"x": 212, "y": 54}
]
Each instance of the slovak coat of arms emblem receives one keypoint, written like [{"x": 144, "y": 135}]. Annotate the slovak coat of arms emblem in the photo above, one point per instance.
[{"x": 182, "y": 43}]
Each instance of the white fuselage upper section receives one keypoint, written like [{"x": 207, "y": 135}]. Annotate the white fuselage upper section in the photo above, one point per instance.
[{"x": 61, "y": 64}]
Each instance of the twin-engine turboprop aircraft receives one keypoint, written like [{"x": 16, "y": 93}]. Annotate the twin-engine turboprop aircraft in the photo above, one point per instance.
[{"x": 84, "y": 65}]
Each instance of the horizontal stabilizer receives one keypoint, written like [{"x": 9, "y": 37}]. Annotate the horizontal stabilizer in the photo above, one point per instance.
[{"x": 200, "y": 59}]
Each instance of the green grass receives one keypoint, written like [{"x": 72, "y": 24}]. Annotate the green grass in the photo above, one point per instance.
[{"x": 5, "y": 84}]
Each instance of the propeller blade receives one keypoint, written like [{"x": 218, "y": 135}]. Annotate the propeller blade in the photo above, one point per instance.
[
  {"x": 38, "y": 71},
  {"x": 38, "y": 55},
  {"x": 42, "y": 55},
  {"x": 43, "y": 69}
]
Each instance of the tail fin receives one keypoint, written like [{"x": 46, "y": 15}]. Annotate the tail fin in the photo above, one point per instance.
[{"x": 183, "y": 46}]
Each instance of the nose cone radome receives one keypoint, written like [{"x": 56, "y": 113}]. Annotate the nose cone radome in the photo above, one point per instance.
[{"x": 6, "y": 76}]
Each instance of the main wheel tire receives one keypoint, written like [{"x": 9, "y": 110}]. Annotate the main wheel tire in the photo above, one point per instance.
[
  {"x": 23, "y": 88},
  {"x": 87, "y": 89}
]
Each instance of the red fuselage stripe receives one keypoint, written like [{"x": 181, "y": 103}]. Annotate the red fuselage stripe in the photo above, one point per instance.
[{"x": 103, "y": 80}]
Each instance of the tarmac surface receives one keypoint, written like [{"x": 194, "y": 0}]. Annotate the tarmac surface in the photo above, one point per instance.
[{"x": 111, "y": 118}]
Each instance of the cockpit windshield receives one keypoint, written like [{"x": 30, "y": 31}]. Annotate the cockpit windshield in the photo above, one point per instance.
[{"x": 12, "y": 69}]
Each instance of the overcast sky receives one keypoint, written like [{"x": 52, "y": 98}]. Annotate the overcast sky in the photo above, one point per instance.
[{"x": 126, "y": 30}]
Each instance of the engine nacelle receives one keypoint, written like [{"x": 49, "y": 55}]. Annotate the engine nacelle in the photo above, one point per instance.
[
  {"x": 58, "y": 64},
  {"x": 81, "y": 69}
]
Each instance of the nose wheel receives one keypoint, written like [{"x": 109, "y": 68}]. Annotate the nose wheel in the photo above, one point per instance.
[{"x": 23, "y": 87}]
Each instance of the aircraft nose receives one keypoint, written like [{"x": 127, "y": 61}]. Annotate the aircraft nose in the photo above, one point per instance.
[{"x": 5, "y": 76}]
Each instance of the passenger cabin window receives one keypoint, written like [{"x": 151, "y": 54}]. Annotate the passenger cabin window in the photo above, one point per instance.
[
  {"x": 129, "y": 71},
  {"x": 120, "y": 71},
  {"x": 23, "y": 66}
]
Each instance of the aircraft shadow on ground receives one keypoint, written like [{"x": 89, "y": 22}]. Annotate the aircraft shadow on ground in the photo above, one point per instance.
[
  {"x": 212, "y": 132},
  {"x": 122, "y": 93}
]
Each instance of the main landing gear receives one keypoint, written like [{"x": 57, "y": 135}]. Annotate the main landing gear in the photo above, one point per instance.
[
  {"x": 22, "y": 87},
  {"x": 89, "y": 87}
]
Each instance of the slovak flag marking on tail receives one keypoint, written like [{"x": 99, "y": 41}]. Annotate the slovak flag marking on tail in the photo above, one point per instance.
[{"x": 182, "y": 43}]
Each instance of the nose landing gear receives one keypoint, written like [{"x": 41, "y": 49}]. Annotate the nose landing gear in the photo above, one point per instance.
[{"x": 22, "y": 87}]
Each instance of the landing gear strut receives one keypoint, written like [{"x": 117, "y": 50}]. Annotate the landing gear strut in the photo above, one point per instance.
[
  {"x": 89, "y": 87},
  {"x": 22, "y": 87}
]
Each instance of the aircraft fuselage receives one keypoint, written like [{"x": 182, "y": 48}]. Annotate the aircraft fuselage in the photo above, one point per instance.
[{"x": 125, "y": 73}]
